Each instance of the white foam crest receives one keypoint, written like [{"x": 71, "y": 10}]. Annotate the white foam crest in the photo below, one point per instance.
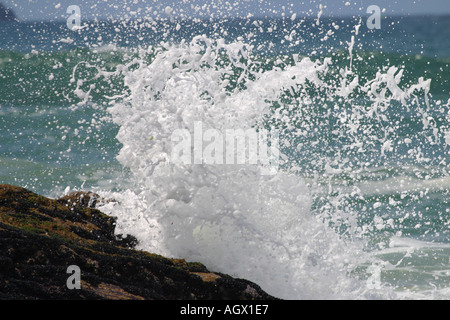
[
  {"x": 229, "y": 217},
  {"x": 403, "y": 184}
]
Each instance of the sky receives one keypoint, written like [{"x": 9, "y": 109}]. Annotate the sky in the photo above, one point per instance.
[{"x": 39, "y": 10}]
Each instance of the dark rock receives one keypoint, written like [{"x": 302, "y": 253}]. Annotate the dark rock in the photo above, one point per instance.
[
  {"x": 81, "y": 199},
  {"x": 7, "y": 14},
  {"x": 41, "y": 237}
]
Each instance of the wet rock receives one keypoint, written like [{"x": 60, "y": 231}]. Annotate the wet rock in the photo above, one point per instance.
[
  {"x": 41, "y": 237},
  {"x": 7, "y": 14}
]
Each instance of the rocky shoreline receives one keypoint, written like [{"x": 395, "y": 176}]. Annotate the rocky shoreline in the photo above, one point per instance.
[
  {"x": 6, "y": 14},
  {"x": 41, "y": 237}
]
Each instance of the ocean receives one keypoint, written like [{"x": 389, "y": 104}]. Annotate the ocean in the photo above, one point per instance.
[{"x": 357, "y": 202}]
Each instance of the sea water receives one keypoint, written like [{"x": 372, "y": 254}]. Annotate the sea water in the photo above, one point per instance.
[{"x": 357, "y": 205}]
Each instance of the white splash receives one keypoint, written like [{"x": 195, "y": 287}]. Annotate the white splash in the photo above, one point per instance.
[{"x": 230, "y": 217}]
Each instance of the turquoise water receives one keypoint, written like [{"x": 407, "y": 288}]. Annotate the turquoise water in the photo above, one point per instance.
[{"x": 376, "y": 172}]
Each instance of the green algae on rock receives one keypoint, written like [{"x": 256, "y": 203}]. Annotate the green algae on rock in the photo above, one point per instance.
[{"x": 41, "y": 237}]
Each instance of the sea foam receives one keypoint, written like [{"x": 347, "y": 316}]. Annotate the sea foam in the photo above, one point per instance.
[{"x": 230, "y": 217}]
